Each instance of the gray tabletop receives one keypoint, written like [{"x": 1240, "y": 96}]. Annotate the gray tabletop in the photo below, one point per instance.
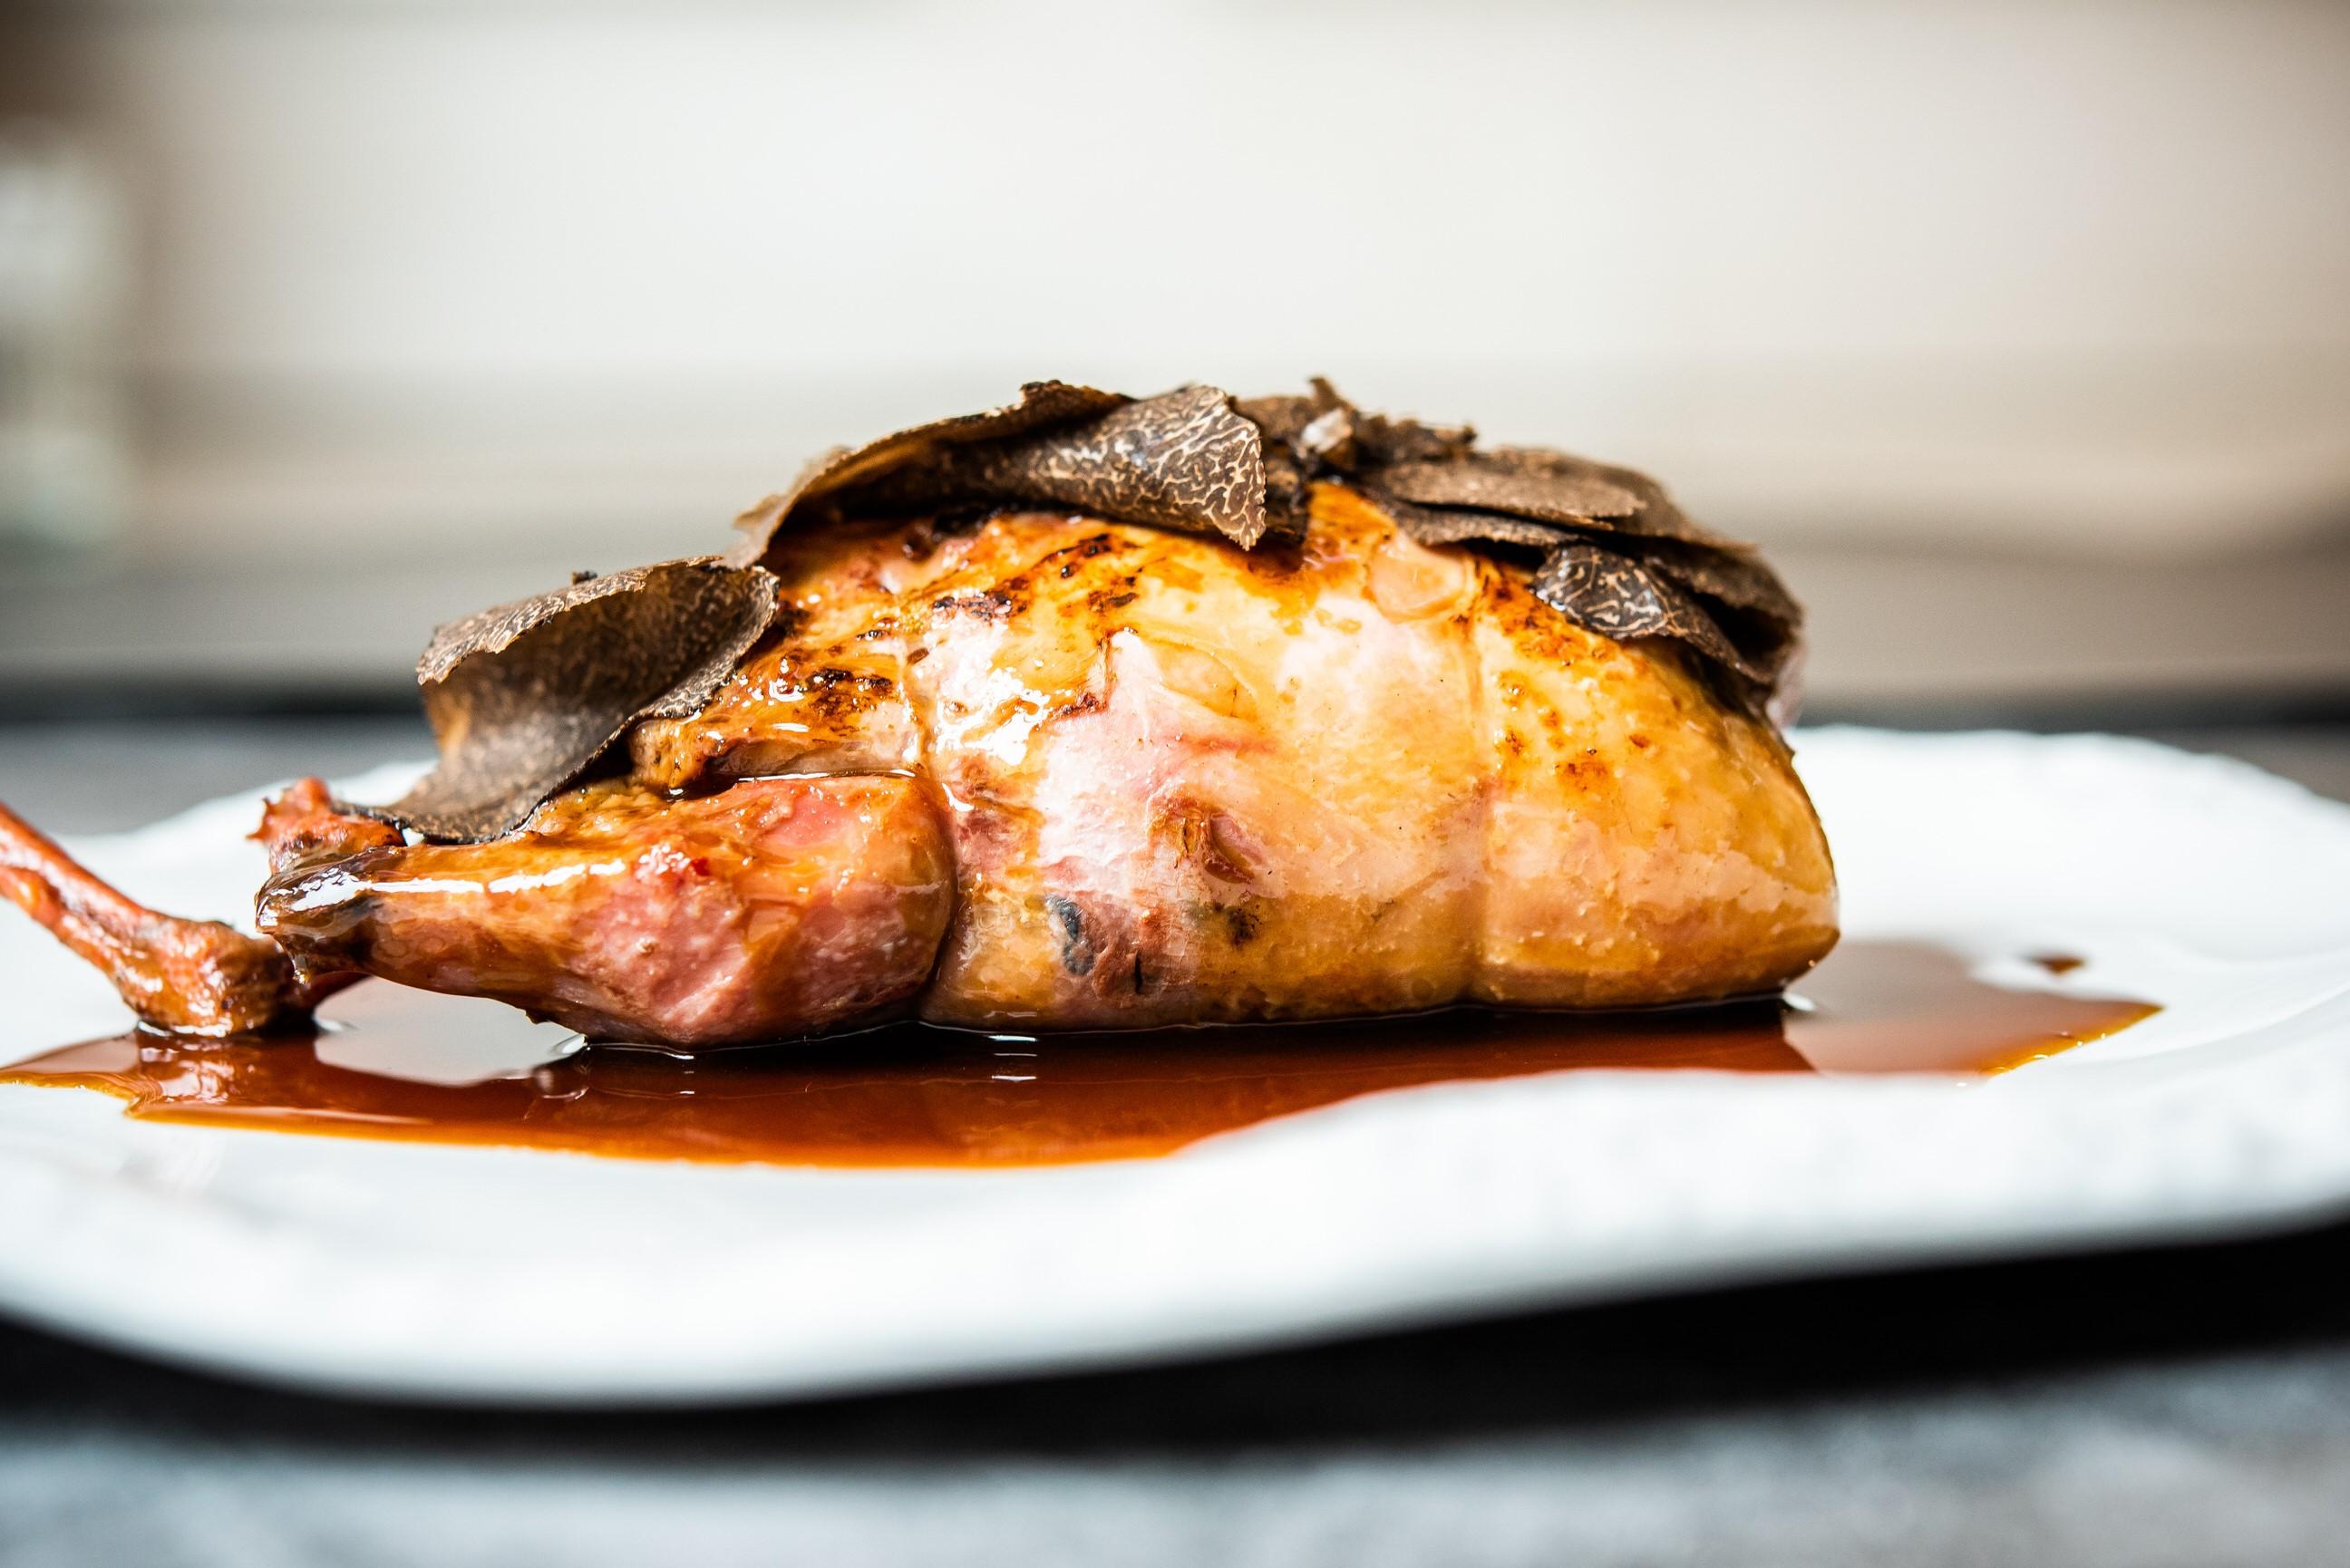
[{"x": 2187, "y": 1406}]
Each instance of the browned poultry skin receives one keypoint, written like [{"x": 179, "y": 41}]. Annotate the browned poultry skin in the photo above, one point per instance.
[
  {"x": 1136, "y": 778},
  {"x": 779, "y": 906}
]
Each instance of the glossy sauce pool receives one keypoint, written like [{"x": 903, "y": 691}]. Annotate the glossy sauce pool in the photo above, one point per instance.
[{"x": 913, "y": 1095}]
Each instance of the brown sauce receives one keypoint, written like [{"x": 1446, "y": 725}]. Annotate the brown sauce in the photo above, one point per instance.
[{"x": 912, "y": 1096}]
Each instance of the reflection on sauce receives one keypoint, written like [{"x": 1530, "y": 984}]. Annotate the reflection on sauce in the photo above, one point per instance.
[{"x": 910, "y": 1096}]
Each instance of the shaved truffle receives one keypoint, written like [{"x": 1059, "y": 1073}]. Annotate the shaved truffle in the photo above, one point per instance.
[
  {"x": 525, "y": 696},
  {"x": 1324, "y": 429},
  {"x": 1621, "y": 597},
  {"x": 1620, "y": 558},
  {"x": 844, "y": 468},
  {"x": 1450, "y": 526},
  {"x": 1185, "y": 461},
  {"x": 1737, "y": 577},
  {"x": 1570, "y": 493}
]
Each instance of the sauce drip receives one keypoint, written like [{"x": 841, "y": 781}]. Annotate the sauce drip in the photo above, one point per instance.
[{"x": 438, "y": 1069}]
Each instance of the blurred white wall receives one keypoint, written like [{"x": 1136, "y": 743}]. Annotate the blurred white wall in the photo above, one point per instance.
[{"x": 2074, "y": 274}]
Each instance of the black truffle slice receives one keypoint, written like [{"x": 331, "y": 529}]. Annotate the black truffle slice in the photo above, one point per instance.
[
  {"x": 1325, "y": 431},
  {"x": 844, "y": 469},
  {"x": 1658, "y": 518},
  {"x": 1186, "y": 460},
  {"x": 1387, "y": 440},
  {"x": 1735, "y": 575},
  {"x": 1545, "y": 487},
  {"x": 1458, "y": 525},
  {"x": 1621, "y": 597},
  {"x": 525, "y": 696},
  {"x": 1714, "y": 597}
]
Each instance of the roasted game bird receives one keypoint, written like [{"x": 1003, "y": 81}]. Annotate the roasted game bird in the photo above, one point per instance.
[{"x": 1084, "y": 714}]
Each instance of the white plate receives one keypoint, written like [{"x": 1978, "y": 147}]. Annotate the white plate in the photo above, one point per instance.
[{"x": 471, "y": 1273}]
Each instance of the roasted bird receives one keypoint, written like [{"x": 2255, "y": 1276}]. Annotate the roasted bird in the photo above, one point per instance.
[{"x": 1085, "y": 713}]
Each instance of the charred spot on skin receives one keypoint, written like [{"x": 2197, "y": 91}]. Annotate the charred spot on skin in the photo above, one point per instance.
[
  {"x": 998, "y": 601},
  {"x": 1240, "y": 923},
  {"x": 1103, "y": 600},
  {"x": 1084, "y": 550},
  {"x": 830, "y": 697},
  {"x": 1586, "y": 769},
  {"x": 1150, "y": 929},
  {"x": 1083, "y": 703},
  {"x": 1069, "y": 924},
  {"x": 861, "y": 683}
]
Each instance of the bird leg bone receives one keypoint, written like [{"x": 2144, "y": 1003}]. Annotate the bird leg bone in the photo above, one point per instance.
[{"x": 192, "y": 977}]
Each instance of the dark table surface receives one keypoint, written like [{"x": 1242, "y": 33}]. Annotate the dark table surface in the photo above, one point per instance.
[{"x": 2186, "y": 1406}]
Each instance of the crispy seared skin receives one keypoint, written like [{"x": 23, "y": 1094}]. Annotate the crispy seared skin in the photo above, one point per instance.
[
  {"x": 1052, "y": 771},
  {"x": 778, "y": 907}
]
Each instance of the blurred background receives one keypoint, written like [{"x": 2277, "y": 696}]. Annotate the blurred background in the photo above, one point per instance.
[{"x": 2019, "y": 333}]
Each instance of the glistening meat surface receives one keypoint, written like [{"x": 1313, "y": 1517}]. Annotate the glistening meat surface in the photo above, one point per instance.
[{"x": 1056, "y": 772}]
